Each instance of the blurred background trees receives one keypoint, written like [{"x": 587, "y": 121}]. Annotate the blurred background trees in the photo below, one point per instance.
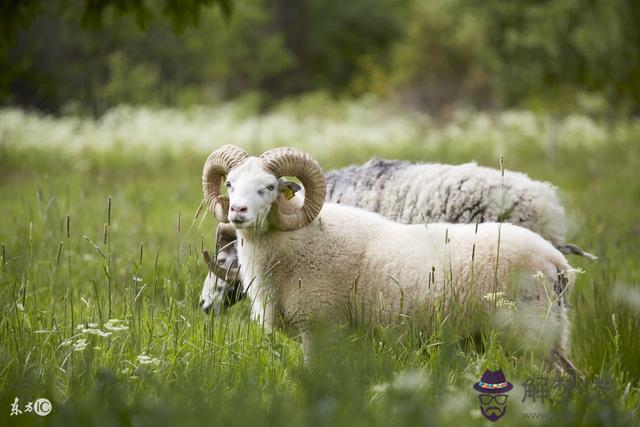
[{"x": 88, "y": 55}]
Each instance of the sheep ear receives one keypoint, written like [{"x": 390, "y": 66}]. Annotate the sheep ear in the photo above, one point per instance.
[
  {"x": 288, "y": 188},
  {"x": 206, "y": 257}
]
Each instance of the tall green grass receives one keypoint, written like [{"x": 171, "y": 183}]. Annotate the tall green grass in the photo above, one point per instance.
[{"x": 70, "y": 258}]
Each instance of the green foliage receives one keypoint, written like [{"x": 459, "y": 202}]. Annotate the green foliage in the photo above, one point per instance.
[
  {"x": 545, "y": 54},
  {"x": 440, "y": 61},
  {"x": 182, "y": 14},
  {"x": 131, "y": 83},
  {"x": 245, "y": 54},
  {"x": 556, "y": 56},
  {"x": 118, "y": 63},
  {"x": 553, "y": 48},
  {"x": 342, "y": 34},
  {"x": 276, "y": 49},
  {"x": 15, "y": 15}
]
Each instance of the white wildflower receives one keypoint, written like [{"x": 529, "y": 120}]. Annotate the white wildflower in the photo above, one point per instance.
[
  {"x": 500, "y": 300},
  {"x": 404, "y": 381},
  {"x": 577, "y": 271},
  {"x": 80, "y": 345},
  {"x": 312, "y": 124},
  {"x": 493, "y": 295},
  {"x": 96, "y": 331},
  {"x": 115, "y": 325},
  {"x": 92, "y": 329},
  {"x": 145, "y": 359},
  {"x": 507, "y": 304}
]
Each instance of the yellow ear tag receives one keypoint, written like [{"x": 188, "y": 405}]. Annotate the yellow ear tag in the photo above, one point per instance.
[{"x": 288, "y": 193}]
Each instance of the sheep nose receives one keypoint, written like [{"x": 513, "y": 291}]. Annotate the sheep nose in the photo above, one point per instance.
[{"x": 238, "y": 208}]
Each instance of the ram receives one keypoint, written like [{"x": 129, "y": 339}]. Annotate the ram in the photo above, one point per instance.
[
  {"x": 320, "y": 260},
  {"x": 430, "y": 192}
]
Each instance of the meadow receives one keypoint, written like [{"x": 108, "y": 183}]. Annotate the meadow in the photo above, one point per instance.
[{"x": 100, "y": 273}]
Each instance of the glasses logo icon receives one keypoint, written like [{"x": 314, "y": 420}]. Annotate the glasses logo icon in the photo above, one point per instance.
[{"x": 493, "y": 388}]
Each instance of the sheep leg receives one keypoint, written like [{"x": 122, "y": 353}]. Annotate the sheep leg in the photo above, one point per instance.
[
  {"x": 562, "y": 364},
  {"x": 558, "y": 353},
  {"x": 307, "y": 348},
  {"x": 571, "y": 249}
]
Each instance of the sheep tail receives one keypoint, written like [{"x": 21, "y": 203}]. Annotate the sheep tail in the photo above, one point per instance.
[{"x": 571, "y": 249}]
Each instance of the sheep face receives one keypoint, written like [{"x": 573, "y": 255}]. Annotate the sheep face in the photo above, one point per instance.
[
  {"x": 219, "y": 294},
  {"x": 252, "y": 191},
  {"x": 253, "y": 187}
]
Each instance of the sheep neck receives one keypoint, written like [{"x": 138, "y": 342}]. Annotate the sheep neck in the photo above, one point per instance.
[{"x": 259, "y": 255}]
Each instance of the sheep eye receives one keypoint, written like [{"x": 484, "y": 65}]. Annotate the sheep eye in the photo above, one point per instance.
[
  {"x": 228, "y": 184},
  {"x": 261, "y": 192},
  {"x": 271, "y": 187}
]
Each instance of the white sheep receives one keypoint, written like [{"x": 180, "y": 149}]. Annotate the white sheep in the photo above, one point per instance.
[
  {"x": 320, "y": 260},
  {"x": 222, "y": 286},
  {"x": 415, "y": 193}
]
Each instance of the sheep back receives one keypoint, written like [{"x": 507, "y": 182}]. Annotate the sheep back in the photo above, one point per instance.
[
  {"x": 352, "y": 259},
  {"x": 430, "y": 192}
]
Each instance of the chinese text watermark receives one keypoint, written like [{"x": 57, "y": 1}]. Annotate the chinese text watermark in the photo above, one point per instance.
[{"x": 41, "y": 407}]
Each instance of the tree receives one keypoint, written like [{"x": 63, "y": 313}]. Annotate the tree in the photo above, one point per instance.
[
  {"x": 545, "y": 54},
  {"x": 554, "y": 49},
  {"x": 181, "y": 13}
]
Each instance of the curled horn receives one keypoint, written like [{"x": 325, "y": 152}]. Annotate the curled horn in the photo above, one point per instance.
[
  {"x": 230, "y": 275},
  {"x": 225, "y": 235},
  {"x": 286, "y": 161},
  {"x": 217, "y": 166}
]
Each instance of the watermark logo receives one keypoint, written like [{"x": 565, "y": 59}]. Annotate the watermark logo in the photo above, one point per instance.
[
  {"x": 493, "y": 388},
  {"x": 539, "y": 390},
  {"x": 41, "y": 407}
]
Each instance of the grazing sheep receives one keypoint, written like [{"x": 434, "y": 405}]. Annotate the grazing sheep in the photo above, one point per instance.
[
  {"x": 320, "y": 260},
  {"x": 222, "y": 286},
  {"x": 429, "y": 192}
]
